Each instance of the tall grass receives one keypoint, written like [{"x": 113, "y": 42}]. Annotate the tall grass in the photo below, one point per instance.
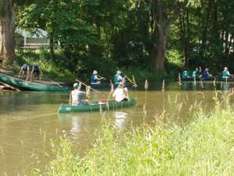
[{"x": 205, "y": 146}]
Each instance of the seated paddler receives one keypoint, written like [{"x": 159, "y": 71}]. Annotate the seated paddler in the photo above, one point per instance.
[
  {"x": 95, "y": 79},
  {"x": 77, "y": 96},
  {"x": 118, "y": 78},
  {"x": 121, "y": 93}
]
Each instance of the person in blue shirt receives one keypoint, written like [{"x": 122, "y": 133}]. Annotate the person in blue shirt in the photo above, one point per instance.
[
  {"x": 95, "y": 79},
  {"x": 206, "y": 75},
  {"x": 118, "y": 78}
]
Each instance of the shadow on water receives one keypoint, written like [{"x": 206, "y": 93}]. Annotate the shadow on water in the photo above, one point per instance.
[{"x": 19, "y": 101}]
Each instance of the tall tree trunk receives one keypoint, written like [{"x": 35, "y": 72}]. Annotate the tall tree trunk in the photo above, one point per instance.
[
  {"x": 184, "y": 26},
  {"x": 7, "y": 30},
  {"x": 160, "y": 35},
  {"x": 161, "y": 48},
  {"x": 51, "y": 44},
  {"x": 205, "y": 28}
]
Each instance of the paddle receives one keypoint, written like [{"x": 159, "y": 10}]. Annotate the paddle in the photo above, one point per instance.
[
  {"x": 131, "y": 81},
  {"x": 111, "y": 91},
  {"x": 101, "y": 77},
  {"x": 86, "y": 85},
  {"x": 133, "y": 78}
]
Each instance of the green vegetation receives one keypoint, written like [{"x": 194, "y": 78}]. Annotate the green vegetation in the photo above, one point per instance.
[
  {"x": 57, "y": 68},
  {"x": 154, "y": 36},
  {"x": 202, "y": 147},
  {"x": 54, "y": 69}
]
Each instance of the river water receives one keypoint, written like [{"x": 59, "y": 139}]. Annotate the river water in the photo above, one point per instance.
[{"x": 29, "y": 121}]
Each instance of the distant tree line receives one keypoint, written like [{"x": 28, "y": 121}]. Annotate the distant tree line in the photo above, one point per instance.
[{"x": 149, "y": 33}]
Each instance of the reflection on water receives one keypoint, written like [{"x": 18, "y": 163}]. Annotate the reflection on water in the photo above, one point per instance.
[
  {"x": 28, "y": 121},
  {"x": 208, "y": 85},
  {"x": 120, "y": 118}
]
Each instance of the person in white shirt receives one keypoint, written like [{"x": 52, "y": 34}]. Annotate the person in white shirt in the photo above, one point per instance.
[
  {"x": 121, "y": 93},
  {"x": 76, "y": 95}
]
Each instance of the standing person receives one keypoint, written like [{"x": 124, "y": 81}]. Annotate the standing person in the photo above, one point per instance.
[
  {"x": 120, "y": 93},
  {"x": 118, "y": 78},
  {"x": 185, "y": 74},
  {"x": 36, "y": 72},
  {"x": 195, "y": 73},
  {"x": 200, "y": 72},
  {"x": 95, "y": 80},
  {"x": 76, "y": 96},
  {"x": 226, "y": 74},
  {"x": 206, "y": 75},
  {"x": 24, "y": 71}
]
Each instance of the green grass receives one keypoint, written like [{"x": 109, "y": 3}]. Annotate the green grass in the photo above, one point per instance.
[{"x": 204, "y": 146}]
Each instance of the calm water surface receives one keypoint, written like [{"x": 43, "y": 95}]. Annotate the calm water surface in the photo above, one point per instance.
[{"x": 29, "y": 120}]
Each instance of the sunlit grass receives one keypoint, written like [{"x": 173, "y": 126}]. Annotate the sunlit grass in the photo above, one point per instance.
[{"x": 204, "y": 146}]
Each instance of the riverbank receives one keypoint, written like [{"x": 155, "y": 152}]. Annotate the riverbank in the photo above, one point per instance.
[
  {"x": 60, "y": 68},
  {"x": 202, "y": 147}
]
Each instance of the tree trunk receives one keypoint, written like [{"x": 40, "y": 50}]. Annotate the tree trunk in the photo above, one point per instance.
[
  {"x": 51, "y": 44},
  {"x": 161, "y": 48},
  {"x": 161, "y": 27},
  {"x": 7, "y": 30},
  {"x": 185, "y": 33}
]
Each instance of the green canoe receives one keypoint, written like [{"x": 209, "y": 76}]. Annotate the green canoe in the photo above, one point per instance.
[
  {"x": 96, "y": 106},
  {"x": 28, "y": 85}
]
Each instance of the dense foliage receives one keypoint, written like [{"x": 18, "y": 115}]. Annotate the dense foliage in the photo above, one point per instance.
[{"x": 145, "y": 34}]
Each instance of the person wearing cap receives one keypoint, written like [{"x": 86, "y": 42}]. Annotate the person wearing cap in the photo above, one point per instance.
[
  {"x": 206, "y": 74},
  {"x": 120, "y": 93},
  {"x": 76, "y": 96},
  {"x": 95, "y": 79},
  {"x": 226, "y": 74},
  {"x": 118, "y": 78}
]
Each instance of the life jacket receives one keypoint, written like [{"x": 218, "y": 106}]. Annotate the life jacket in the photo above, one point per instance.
[
  {"x": 93, "y": 79},
  {"x": 117, "y": 79}
]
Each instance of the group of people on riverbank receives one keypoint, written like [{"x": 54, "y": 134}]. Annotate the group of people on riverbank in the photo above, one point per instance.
[
  {"x": 119, "y": 91},
  {"x": 201, "y": 74},
  {"x": 30, "y": 72}
]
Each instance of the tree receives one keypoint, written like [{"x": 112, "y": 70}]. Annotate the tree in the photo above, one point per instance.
[{"x": 7, "y": 29}]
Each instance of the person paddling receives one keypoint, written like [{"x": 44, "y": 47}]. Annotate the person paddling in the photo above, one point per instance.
[
  {"x": 226, "y": 74},
  {"x": 95, "y": 80},
  {"x": 76, "y": 96},
  {"x": 120, "y": 93},
  {"x": 118, "y": 78}
]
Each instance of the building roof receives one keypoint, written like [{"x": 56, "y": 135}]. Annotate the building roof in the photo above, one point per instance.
[{"x": 36, "y": 33}]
